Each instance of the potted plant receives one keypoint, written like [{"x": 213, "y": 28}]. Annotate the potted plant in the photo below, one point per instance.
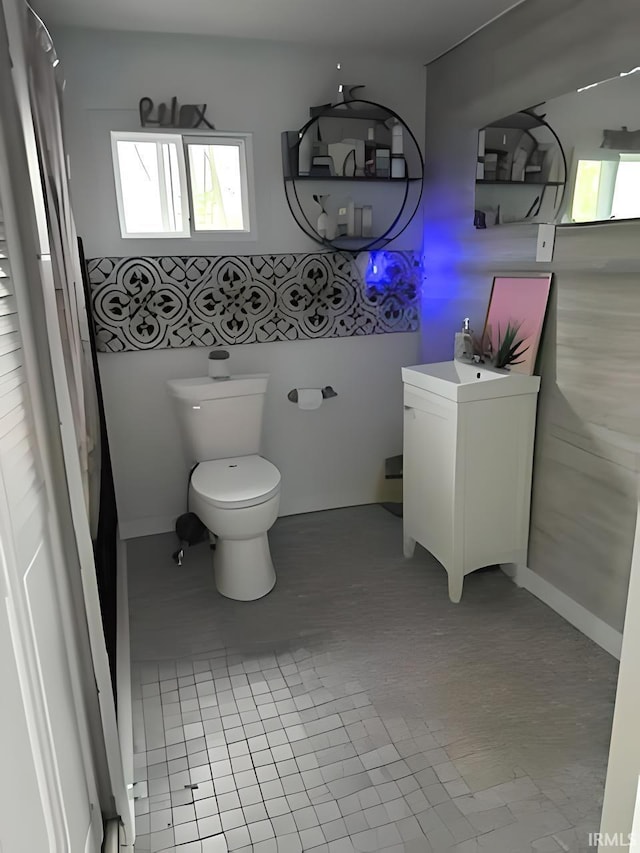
[{"x": 508, "y": 349}]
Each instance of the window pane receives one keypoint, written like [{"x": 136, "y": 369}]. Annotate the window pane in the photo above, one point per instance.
[
  {"x": 140, "y": 183},
  {"x": 216, "y": 187},
  {"x": 626, "y": 196},
  {"x": 585, "y": 194},
  {"x": 172, "y": 186},
  {"x": 150, "y": 187}
]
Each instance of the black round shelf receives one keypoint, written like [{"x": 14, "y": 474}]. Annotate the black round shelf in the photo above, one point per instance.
[
  {"x": 521, "y": 183},
  {"x": 527, "y": 121},
  {"x": 403, "y": 202}
]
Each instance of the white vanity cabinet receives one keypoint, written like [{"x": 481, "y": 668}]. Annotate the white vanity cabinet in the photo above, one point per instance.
[{"x": 468, "y": 453}]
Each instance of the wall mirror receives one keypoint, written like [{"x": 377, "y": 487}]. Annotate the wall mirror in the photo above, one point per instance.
[{"x": 571, "y": 160}]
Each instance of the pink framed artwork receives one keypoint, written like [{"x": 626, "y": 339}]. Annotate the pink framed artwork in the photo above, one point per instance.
[{"x": 515, "y": 318}]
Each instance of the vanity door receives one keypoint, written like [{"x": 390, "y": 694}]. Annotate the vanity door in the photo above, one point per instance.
[{"x": 429, "y": 471}]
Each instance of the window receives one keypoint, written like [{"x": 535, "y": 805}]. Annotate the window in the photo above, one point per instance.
[
  {"x": 170, "y": 185},
  {"x": 607, "y": 188},
  {"x": 585, "y": 195},
  {"x": 626, "y": 194}
]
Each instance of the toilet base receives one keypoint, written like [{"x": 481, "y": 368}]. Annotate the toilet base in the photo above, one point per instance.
[{"x": 243, "y": 568}]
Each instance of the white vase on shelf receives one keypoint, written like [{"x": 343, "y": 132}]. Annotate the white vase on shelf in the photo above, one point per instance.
[{"x": 323, "y": 225}]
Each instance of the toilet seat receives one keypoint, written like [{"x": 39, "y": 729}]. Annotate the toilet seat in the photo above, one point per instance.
[{"x": 240, "y": 481}]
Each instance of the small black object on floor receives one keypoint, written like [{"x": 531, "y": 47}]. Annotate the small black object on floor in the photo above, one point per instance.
[{"x": 189, "y": 530}]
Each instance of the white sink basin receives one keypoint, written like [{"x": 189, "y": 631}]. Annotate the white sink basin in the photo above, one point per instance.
[{"x": 462, "y": 382}]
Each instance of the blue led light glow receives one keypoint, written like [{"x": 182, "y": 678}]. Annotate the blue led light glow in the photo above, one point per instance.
[
  {"x": 392, "y": 279},
  {"x": 384, "y": 272}
]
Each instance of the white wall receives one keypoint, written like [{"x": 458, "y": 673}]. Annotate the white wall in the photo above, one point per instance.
[
  {"x": 251, "y": 86},
  {"x": 331, "y": 457}
]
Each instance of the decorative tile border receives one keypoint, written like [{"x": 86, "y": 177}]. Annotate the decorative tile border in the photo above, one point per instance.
[{"x": 167, "y": 302}]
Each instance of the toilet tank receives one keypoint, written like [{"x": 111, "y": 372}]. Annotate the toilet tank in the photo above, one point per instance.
[{"x": 220, "y": 418}]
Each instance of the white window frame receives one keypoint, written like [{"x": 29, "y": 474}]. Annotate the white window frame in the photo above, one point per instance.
[
  {"x": 170, "y": 138},
  {"x": 243, "y": 142},
  {"x": 182, "y": 139},
  {"x": 610, "y": 160},
  {"x": 623, "y": 157}
]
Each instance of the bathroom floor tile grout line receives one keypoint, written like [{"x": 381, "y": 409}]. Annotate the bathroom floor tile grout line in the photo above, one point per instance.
[
  {"x": 369, "y": 768},
  {"x": 386, "y": 820}
]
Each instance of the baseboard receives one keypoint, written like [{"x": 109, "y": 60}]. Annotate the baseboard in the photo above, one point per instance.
[
  {"x": 167, "y": 523},
  {"x": 147, "y": 526},
  {"x": 590, "y": 625}
]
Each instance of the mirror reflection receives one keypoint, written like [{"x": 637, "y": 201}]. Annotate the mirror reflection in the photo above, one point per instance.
[
  {"x": 521, "y": 171},
  {"x": 574, "y": 159}
]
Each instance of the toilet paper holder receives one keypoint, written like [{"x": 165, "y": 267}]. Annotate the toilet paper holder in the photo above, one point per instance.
[{"x": 327, "y": 392}]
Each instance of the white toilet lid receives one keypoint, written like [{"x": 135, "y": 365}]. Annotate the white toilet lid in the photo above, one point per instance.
[{"x": 238, "y": 481}]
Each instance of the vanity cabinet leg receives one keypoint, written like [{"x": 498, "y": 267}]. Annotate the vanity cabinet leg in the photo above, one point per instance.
[
  {"x": 456, "y": 580},
  {"x": 408, "y": 546}
]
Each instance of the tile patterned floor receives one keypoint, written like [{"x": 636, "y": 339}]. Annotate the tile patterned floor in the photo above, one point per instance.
[{"x": 355, "y": 708}]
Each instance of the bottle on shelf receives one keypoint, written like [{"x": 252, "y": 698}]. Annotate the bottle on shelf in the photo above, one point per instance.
[
  {"x": 370, "y": 153},
  {"x": 367, "y": 220},
  {"x": 397, "y": 139},
  {"x": 351, "y": 219},
  {"x": 398, "y": 166},
  {"x": 305, "y": 146},
  {"x": 357, "y": 222},
  {"x": 345, "y": 213},
  {"x": 383, "y": 163}
]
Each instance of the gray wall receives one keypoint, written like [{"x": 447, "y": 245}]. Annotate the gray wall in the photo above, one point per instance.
[{"x": 588, "y": 437}]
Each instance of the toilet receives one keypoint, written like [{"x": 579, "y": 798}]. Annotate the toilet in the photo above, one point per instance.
[{"x": 233, "y": 490}]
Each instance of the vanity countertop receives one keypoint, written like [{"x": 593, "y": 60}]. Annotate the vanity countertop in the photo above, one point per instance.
[{"x": 465, "y": 382}]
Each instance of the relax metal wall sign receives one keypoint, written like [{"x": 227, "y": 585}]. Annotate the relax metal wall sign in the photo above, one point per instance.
[{"x": 172, "y": 115}]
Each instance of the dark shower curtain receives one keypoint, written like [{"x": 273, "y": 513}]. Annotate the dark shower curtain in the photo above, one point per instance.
[{"x": 105, "y": 544}]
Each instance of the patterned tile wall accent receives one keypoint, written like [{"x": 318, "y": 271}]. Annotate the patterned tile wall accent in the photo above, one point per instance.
[{"x": 167, "y": 302}]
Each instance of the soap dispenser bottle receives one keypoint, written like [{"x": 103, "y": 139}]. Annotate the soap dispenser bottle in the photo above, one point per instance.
[{"x": 463, "y": 346}]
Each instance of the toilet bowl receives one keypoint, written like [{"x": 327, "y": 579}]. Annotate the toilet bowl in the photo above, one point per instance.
[
  {"x": 234, "y": 490},
  {"x": 237, "y": 499}
]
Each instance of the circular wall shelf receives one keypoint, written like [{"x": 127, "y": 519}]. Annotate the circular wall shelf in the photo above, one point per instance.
[{"x": 342, "y": 163}]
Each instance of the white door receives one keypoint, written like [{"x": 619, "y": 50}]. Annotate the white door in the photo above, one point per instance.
[
  {"x": 45, "y": 804},
  {"x": 48, "y": 796},
  {"x": 20, "y": 784},
  {"x": 429, "y": 472},
  {"x": 70, "y": 555}
]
